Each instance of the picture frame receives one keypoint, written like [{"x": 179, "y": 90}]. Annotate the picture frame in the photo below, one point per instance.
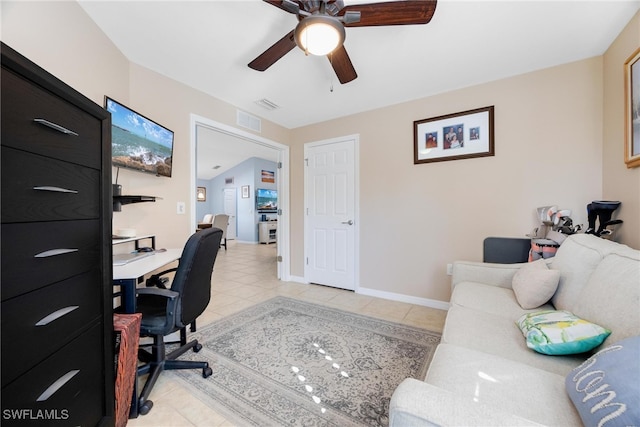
[
  {"x": 245, "y": 191},
  {"x": 201, "y": 194},
  {"x": 632, "y": 110},
  {"x": 464, "y": 135},
  {"x": 268, "y": 176}
]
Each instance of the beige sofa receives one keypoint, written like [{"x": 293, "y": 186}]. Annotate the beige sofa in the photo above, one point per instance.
[{"x": 483, "y": 373}]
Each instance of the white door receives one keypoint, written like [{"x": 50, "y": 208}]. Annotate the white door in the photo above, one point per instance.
[
  {"x": 230, "y": 206},
  {"x": 331, "y": 208}
]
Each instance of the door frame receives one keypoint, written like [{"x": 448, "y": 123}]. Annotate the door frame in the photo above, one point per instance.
[
  {"x": 282, "y": 233},
  {"x": 356, "y": 184}
]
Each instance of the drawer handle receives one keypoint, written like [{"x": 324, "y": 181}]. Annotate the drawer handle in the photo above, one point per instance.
[
  {"x": 55, "y": 126},
  {"x": 56, "y": 315},
  {"x": 57, "y": 385},
  {"x": 54, "y": 252},
  {"x": 55, "y": 189}
]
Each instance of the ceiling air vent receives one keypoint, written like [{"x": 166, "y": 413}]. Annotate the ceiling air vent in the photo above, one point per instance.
[
  {"x": 267, "y": 105},
  {"x": 248, "y": 121}
]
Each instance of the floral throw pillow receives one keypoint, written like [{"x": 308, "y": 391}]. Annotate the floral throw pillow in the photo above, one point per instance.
[{"x": 560, "y": 332}]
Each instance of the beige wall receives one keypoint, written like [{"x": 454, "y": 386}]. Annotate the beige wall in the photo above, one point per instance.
[
  {"x": 414, "y": 218},
  {"x": 171, "y": 104},
  {"x": 60, "y": 37},
  {"x": 620, "y": 183},
  {"x": 417, "y": 218}
]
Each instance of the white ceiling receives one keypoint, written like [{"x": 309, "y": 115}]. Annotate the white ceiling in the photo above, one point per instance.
[
  {"x": 216, "y": 148},
  {"x": 208, "y": 44}
]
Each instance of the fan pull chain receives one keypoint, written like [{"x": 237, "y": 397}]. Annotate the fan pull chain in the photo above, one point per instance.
[{"x": 331, "y": 78}]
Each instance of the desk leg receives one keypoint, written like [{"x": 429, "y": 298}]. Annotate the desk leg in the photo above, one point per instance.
[
  {"x": 128, "y": 298},
  {"x": 127, "y": 294}
]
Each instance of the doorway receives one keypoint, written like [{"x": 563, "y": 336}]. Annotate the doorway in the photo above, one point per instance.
[
  {"x": 331, "y": 212},
  {"x": 230, "y": 198},
  {"x": 283, "y": 239}
]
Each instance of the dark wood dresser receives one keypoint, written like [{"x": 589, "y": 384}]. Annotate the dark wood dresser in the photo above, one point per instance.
[{"x": 56, "y": 291}]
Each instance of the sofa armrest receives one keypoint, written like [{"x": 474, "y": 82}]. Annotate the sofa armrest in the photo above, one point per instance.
[
  {"x": 483, "y": 272},
  {"x": 416, "y": 404}
]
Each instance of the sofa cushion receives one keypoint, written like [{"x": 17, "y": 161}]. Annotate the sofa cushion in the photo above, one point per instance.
[
  {"x": 499, "y": 335},
  {"x": 534, "y": 284},
  {"x": 487, "y": 298},
  {"x": 606, "y": 387},
  {"x": 418, "y": 404},
  {"x": 611, "y": 297},
  {"x": 560, "y": 332},
  {"x": 576, "y": 259},
  {"x": 503, "y": 384}
]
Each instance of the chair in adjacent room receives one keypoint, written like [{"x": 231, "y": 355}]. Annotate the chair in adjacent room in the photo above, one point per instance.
[
  {"x": 165, "y": 311},
  {"x": 221, "y": 221},
  {"x": 206, "y": 222}
]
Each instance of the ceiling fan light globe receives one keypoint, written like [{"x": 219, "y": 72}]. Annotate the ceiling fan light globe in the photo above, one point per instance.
[{"x": 319, "y": 35}]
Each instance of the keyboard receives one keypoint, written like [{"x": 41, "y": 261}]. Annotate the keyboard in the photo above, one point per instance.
[{"x": 122, "y": 259}]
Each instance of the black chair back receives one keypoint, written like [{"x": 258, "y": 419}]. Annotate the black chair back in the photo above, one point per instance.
[
  {"x": 193, "y": 276},
  {"x": 506, "y": 250}
]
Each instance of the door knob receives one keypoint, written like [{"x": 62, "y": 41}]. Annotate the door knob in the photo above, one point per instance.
[{"x": 350, "y": 222}]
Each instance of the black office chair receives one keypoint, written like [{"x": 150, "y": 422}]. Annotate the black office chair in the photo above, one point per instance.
[{"x": 165, "y": 311}]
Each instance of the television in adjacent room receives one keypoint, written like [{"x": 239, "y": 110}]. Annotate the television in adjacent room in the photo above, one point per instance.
[
  {"x": 266, "y": 200},
  {"x": 138, "y": 142}
]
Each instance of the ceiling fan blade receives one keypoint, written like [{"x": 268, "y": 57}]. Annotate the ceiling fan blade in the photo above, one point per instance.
[
  {"x": 406, "y": 12},
  {"x": 286, "y": 5},
  {"x": 275, "y": 52},
  {"x": 342, "y": 65}
]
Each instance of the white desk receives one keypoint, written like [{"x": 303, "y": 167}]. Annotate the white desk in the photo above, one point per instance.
[
  {"x": 136, "y": 240},
  {"x": 129, "y": 275}
]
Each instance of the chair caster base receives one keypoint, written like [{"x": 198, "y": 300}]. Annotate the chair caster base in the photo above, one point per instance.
[
  {"x": 145, "y": 407},
  {"x": 207, "y": 372},
  {"x": 197, "y": 348}
]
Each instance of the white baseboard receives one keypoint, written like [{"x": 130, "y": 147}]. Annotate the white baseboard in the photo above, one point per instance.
[{"x": 425, "y": 302}]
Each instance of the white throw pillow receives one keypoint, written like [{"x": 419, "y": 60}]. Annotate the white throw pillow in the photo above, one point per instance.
[{"x": 534, "y": 284}]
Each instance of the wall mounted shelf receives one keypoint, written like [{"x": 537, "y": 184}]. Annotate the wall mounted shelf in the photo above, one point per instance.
[{"x": 118, "y": 201}]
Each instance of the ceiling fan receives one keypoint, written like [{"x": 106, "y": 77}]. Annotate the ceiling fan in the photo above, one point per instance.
[{"x": 332, "y": 16}]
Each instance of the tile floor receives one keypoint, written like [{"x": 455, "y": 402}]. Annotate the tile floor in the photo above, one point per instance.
[{"x": 245, "y": 275}]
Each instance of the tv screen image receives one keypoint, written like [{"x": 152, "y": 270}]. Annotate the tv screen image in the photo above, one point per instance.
[
  {"x": 266, "y": 200},
  {"x": 138, "y": 142}
]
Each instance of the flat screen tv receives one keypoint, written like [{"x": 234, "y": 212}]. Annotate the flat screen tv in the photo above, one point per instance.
[
  {"x": 138, "y": 142},
  {"x": 266, "y": 200}
]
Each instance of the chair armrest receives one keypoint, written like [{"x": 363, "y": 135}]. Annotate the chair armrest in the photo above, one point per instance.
[
  {"x": 157, "y": 280},
  {"x": 162, "y": 273},
  {"x": 482, "y": 272},
  {"x": 166, "y": 293},
  {"x": 170, "y": 299},
  {"x": 417, "y": 403}
]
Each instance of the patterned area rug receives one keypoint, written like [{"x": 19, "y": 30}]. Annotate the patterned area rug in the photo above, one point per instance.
[{"x": 293, "y": 363}]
